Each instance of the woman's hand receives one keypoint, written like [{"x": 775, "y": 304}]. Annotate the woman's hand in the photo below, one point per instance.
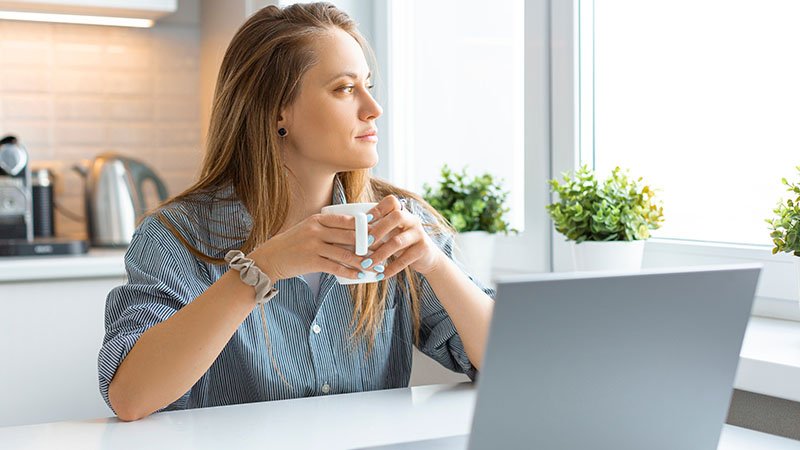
[
  {"x": 405, "y": 239},
  {"x": 313, "y": 245}
]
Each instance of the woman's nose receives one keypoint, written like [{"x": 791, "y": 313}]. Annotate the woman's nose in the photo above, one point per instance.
[{"x": 371, "y": 108}]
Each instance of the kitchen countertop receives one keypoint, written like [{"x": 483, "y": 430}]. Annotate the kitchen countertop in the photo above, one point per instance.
[
  {"x": 97, "y": 263},
  {"x": 343, "y": 421}
]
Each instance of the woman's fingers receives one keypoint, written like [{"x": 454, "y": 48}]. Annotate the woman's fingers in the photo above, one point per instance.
[
  {"x": 340, "y": 255},
  {"x": 336, "y": 229},
  {"x": 395, "y": 222},
  {"x": 341, "y": 221},
  {"x": 394, "y": 233},
  {"x": 394, "y": 245},
  {"x": 404, "y": 259},
  {"x": 338, "y": 236},
  {"x": 334, "y": 268},
  {"x": 385, "y": 206}
]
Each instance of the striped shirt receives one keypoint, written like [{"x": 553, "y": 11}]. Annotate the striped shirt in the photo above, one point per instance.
[{"x": 309, "y": 333}]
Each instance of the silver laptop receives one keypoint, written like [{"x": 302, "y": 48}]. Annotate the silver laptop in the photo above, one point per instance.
[{"x": 614, "y": 361}]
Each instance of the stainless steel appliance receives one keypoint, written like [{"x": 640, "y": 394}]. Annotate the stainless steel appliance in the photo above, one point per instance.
[
  {"x": 114, "y": 198},
  {"x": 16, "y": 216},
  {"x": 20, "y": 210}
]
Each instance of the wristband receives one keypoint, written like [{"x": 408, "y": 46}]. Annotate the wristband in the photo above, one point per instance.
[{"x": 251, "y": 275}]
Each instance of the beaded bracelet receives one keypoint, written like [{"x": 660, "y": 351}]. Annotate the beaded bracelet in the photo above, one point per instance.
[{"x": 251, "y": 275}]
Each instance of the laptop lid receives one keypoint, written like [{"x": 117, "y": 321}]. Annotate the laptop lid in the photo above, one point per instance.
[{"x": 613, "y": 360}]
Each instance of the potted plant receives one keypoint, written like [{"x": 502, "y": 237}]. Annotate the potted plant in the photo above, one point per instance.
[
  {"x": 785, "y": 224},
  {"x": 475, "y": 207},
  {"x": 607, "y": 222}
]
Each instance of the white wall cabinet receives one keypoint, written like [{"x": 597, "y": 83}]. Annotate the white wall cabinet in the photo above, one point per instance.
[
  {"x": 51, "y": 329},
  {"x": 50, "y": 334}
]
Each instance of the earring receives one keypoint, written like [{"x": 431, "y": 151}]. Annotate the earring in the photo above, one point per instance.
[{"x": 282, "y": 132}]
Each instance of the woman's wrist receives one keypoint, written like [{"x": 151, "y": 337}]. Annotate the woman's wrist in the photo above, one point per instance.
[
  {"x": 266, "y": 260},
  {"x": 439, "y": 266},
  {"x": 252, "y": 275}
]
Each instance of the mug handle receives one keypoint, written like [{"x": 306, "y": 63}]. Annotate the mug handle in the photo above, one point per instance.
[{"x": 361, "y": 234}]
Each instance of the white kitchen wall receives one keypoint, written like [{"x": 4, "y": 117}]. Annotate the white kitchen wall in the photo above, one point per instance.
[{"x": 70, "y": 92}]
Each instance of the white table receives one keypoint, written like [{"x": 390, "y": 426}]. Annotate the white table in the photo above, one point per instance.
[{"x": 332, "y": 422}]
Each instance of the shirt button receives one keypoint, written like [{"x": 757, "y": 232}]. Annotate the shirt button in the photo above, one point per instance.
[
  {"x": 316, "y": 329},
  {"x": 326, "y": 388}
]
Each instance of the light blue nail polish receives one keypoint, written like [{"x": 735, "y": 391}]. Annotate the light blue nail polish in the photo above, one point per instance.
[
  {"x": 366, "y": 263},
  {"x": 361, "y": 275},
  {"x": 379, "y": 277},
  {"x": 370, "y": 239},
  {"x": 369, "y": 218},
  {"x": 379, "y": 268}
]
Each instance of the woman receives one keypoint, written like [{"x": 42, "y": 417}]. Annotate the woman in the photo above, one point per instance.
[{"x": 290, "y": 133}]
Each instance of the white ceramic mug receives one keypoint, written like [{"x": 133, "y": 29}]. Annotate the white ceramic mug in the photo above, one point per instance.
[{"x": 361, "y": 248}]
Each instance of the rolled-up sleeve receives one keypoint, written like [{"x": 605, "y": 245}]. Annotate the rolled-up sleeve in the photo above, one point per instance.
[
  {"x": 162, "y": 278},
  {"x": 438, "y": 336}
]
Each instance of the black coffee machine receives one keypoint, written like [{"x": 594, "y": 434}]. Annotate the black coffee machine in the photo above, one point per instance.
[
  {"x": 18, "y": 233},
  {"x": 16, "y": 203}
]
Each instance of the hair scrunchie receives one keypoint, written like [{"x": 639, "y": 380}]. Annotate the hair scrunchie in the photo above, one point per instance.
[{"x": 251, "y": 275}]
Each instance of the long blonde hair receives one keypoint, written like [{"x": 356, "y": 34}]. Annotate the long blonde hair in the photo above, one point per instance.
[{"x": 260, "y": 75}]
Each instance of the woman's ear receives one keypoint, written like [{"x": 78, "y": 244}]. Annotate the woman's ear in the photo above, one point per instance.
[{"x": 284, "y": 118}]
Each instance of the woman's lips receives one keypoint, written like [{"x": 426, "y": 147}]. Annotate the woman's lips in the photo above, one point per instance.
[{"x": 368, "y": 137}]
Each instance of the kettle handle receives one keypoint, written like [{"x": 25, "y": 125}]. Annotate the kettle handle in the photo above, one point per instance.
[{"x": 141, "y": 173}]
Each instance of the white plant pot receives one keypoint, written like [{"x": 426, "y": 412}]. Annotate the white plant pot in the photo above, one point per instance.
[
  {"x": 475, "y": 251},
  {"x": 608, "y": 255}
]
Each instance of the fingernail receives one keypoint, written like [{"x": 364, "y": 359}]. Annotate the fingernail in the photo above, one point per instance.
[
  {"x": 369, "y": 218},
  {"x": 370, "y": 239},
  {"x": 366, "y": 263},
  {"x": 361, "y": 275},
  {"x": 379, "y": 268},
  {"x": 379, "y": 277}
]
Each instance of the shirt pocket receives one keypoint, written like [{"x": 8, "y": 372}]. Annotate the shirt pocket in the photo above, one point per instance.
[{"x": 378, "y": 368}]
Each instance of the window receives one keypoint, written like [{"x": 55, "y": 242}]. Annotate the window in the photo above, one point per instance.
[
  {"x": 701, "y": 99},
  {"x": 456, "y": 92},
  {"x": 455, "y": 78}
]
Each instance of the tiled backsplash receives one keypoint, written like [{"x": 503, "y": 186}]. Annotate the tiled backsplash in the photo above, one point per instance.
[{"x": 70, "y": 92}]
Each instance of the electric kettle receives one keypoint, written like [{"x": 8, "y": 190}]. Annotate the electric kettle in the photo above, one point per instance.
[{"x": 114, "y": 198}]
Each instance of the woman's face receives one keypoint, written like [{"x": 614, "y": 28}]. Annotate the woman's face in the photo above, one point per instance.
[{"x": 333, "y": 112}]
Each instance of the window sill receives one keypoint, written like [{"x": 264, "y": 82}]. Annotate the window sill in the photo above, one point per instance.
[{"x": 769, "y": 362}]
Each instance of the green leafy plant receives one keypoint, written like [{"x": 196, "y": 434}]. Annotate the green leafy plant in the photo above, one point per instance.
[
  {"x": 617, "y": 209},
  {"x": 476, "y": 204},
  {"x": 785, "y": 226}
]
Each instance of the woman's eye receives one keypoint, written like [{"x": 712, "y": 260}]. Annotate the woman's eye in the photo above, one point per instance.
[{"x": 349, "y": 89}]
